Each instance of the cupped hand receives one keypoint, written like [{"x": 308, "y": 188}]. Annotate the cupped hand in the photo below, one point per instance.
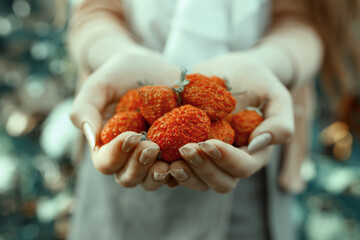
[
  {"x": 133, "y": 162},
  {"x": 217, "y": 165},
  {"x": 246, "y": 73}
]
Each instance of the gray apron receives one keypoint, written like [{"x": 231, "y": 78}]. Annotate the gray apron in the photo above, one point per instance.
[{"x": 255, "y": 210}]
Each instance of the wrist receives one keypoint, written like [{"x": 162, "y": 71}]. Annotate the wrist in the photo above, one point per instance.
[
  {"x": 277, "y": 60},
  {"x": 107, "y": 46}
]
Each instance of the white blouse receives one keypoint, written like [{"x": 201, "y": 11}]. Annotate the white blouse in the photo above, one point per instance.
[{"x": 188, "y": 31}]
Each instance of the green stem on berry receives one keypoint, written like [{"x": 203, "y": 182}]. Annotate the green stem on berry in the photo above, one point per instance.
[
  {"x": 144, "y": 82},
  {"x": 159, "y": 156},
  {"x": 227, "y": 83},
  {"x": 144, "y": 136},
  {"x": 181, "y": 84},
  {"x": 258, "y": 109}
]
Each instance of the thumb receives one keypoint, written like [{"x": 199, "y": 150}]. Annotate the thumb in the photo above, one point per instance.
[
  {"x": 87, "y": 108},
  {"x": 278, "y": 126}
]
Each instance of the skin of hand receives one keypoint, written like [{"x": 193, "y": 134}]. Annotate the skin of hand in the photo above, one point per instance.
[
  {"x": 131, "y": 161},
  {"x": 217, "y": 165}
]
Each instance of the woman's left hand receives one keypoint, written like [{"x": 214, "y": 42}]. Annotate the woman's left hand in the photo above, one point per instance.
[{"x": 218, "y": 165}]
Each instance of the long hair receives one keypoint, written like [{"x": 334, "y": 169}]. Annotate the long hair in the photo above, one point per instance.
[{"x": 337, "y": 23}]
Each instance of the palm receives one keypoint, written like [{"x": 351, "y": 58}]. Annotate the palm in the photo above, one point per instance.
[{"x": 93, "y": 105}]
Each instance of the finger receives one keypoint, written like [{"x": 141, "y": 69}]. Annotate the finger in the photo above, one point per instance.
[
  {"x": 93, "y": 98},
  {"x": 88, "y": 106},
  {"x": 138, "y": 164},
  {"x": 278, "y": 126},
  {"x": 157, "y": 176},
  {"x": 110, "y": 157},
  {"x": 206, "y": 170},
  {"x": 184, "y": 175},
  {"x": 237, "y": 162}
]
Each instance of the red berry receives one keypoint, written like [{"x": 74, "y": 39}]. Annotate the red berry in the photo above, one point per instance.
[
  {"x": 243, "y": 123},
  {"x": 222, "y": 130},
  {"x": 122, "y": 122},
  {"x": 229, "y": 118},
  {"x": 197, "y": 76},
  {"x": 129, "y": 101},
  {"x": 219, "y": 81},
  {"x": 186, "y": 124},
  {"x": 155, "y": 101},
  {"x": 208, "y": 96}
]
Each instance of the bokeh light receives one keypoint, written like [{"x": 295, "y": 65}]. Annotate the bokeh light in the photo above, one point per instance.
[{"x": 40, "y": 148}]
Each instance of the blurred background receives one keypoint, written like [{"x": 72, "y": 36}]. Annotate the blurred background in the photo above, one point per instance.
[{"x": 38, "y": 155}]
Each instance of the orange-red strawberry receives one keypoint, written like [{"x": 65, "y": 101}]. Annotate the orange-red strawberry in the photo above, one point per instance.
[
  {"x": 197, "y": 76},
  {"x": 122, "y": 122},
  {"x": 186, "y": 124},
  {"x": 129, "y": 101},
  {"x": 222, "y": 130},
  {"x": 229, "y": 118},
  {"x": 243, "y": 123},
  {"x": 155, "y": 101},
  {"x": 219, "y": 81},
  {"x": 208, "y": 96}
]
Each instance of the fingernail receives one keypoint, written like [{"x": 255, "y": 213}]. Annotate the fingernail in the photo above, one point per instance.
[
  {"x": 130, "y": 142},
  {"x": 89, "y": 134},
  {"x": 179, "y": 174},
  {"x": 192, "y": 155},
  {"x": 259, "y": 142},
  {"x": 159, "y": 177},
  {"x": 148, "y": 154},
  {"x": 210, "y": 150}
]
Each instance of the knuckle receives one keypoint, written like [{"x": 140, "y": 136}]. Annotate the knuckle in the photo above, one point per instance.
[
  {"x": 243, "y": 173},
  {"x": 208, "y": 175},
  {"x": 132, "y": 174},
  {"x": 114, "y": 164},
  {"x": 226, "y": 188},
  {"x": 288, "y": 133},
  {"x": 104, "y": 171},
  {"x": 106, "y": 167},
  {"x": 103, "y": 168},
  {"x": 117, "y": 179},
  {"x": 126, "y": 182},
  {"x": 74, "y": 116},
  {"x": 148, "y": 187},
  {"x": 129, "y": 180}
]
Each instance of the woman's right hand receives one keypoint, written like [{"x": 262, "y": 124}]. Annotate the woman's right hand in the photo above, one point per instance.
[
  {"x": 218, "y": 165},
  {"x": 124, "y": 155}
]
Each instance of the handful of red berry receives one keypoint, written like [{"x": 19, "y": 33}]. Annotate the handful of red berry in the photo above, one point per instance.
[{"x": 198, "y": 108}]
